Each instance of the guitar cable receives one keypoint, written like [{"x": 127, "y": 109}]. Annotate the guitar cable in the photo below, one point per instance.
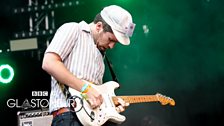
[{"x": 72, "y": 108}]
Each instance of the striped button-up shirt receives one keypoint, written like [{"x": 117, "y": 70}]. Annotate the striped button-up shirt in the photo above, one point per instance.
[{"x": 74, "y": 43}]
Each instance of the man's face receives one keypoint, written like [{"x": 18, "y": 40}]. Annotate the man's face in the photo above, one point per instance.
[{"x": 106, "y": 40}]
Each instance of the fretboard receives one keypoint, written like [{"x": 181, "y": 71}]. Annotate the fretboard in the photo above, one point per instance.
[
  {"x": 145, "y": 98},
  {"x": 136, "y": 99}
]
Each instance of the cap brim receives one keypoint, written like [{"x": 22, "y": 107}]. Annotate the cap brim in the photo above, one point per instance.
[{"x": 121, "y": 37}]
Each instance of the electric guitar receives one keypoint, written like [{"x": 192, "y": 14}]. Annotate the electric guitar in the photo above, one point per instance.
[{"x": 107, "y": 110}]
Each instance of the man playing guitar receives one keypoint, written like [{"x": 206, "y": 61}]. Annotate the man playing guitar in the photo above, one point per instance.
[{"x": 74, "y": 61}]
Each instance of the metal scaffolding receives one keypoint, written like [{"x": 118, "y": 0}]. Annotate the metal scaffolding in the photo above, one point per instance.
[{"x": 41, "y": 24}]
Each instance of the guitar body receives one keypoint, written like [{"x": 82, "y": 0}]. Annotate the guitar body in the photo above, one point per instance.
[{"x": 107, "y": 110}]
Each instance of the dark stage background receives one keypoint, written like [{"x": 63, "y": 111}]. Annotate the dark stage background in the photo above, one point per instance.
[{"x": 177, "y": 50}]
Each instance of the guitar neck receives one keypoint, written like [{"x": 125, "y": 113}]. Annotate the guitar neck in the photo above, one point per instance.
[{"x": 136, "y": 99}]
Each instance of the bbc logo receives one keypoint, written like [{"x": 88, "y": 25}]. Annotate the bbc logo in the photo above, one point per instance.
[{"x": 39, "y": 93}]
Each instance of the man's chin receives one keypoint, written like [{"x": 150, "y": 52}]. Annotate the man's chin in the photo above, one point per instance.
[{"x": 102, "y": 49}]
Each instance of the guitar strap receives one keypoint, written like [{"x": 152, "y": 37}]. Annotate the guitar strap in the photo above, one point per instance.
[
  {"x": 68, "y": 95},
  {"x": 114, "y": 77},
  {"x": 65, "y": 90}
]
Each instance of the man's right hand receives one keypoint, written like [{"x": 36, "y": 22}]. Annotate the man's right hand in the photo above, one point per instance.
[{"x": 94, "y": 98}]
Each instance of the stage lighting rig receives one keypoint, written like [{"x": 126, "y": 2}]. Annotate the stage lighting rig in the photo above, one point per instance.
[
  {"x": 41, "y": 17},
  {"x": 46, "y": 7},
  {"x": 39, "y": 27}
]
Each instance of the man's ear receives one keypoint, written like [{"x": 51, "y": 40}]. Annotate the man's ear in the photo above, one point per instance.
[{"x": 99, "y": 26}]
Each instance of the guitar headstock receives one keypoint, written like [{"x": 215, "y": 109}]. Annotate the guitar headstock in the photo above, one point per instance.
[{"x": 164, "y": 100}]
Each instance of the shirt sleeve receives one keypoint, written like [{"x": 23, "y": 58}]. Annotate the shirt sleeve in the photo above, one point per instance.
[{"x": 64, "y": 40}]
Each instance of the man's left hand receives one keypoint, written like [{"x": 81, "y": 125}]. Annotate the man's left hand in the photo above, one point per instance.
[{"x": 122, "y": 105}]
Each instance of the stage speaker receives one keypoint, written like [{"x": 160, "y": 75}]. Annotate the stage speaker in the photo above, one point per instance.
[{"x": 34, "y": 118}]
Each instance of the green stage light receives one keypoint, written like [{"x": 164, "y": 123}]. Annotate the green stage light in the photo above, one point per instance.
[{"x": 6, "y": 73}]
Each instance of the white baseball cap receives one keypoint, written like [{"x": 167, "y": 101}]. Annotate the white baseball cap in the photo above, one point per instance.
[{"x": 120, "y": 22}]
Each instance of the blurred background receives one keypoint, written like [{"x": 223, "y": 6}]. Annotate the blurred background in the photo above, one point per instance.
[{"x": 177, "y": 50}]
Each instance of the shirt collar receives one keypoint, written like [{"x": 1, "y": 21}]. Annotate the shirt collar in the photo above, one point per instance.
[{"x": 84, "y": 26}]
